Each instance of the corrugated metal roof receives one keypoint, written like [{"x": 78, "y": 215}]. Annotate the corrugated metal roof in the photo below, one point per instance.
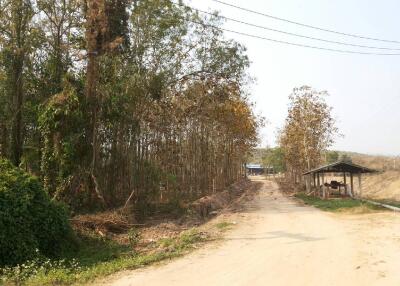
[
  {"x": 254, "y": 166},
  {"x": 341, "y": 167}
]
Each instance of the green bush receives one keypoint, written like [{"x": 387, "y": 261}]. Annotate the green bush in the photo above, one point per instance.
[
  {"x": 134, "y": 237},
  {"x": 30, "y": 223}
]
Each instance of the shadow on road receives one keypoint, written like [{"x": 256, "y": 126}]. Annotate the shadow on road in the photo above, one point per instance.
[{"x": 296, "y": 237}]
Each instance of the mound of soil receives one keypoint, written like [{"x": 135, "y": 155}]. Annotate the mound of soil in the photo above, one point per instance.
[{"x": 230, "y": 198}]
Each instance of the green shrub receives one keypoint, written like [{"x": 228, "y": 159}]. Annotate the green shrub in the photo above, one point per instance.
[
  {"x": 29, "y": 221},
  {"x": 134, "y": 237}
]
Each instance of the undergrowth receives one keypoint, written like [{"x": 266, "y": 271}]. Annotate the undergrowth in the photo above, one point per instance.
[
  {"x": 336, "y": 204},
  {"x": 97, "y": 257}
]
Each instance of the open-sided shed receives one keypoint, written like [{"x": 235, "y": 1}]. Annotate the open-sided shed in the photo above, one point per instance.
[
  {"x": 343, "y": 168},
  {"x": 254, "y": 169}
]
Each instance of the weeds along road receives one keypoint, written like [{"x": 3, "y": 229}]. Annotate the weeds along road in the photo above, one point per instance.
[{"x": 280, "y": 242}]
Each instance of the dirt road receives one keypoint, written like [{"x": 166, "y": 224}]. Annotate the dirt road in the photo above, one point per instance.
[{"x": 280, "y": 242}]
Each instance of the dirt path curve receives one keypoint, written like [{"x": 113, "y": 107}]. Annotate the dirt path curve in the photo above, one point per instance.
[{"x": 280, "y": 242}]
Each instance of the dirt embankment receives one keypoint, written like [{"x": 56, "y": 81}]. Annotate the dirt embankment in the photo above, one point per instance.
[
  {"x": 382, "y": 186},
  {"x": 116, "y": 224},
  {"x": 230, "y": 199}
]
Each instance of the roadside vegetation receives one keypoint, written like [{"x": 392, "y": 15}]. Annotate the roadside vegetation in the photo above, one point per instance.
[
  {"x": 30, "y": 223},
  {"x": 338, "y": 204},
  {"x": 138, "y": 107},
  {"x": 105, "y": 243},
  {"x": 97, "y": 257}
]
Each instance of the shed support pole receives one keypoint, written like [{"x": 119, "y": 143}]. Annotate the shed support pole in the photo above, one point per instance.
[
  {"x": 315, "y": 184},
  {"x": 351, "y": 184},
  {"x": 359, "y": 185},
  {"x": 345, "y": 184},
  {"x": 308, "y": 183},
  {"x": 318, "y": 187}
]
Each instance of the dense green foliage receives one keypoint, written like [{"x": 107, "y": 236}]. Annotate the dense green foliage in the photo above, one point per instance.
[{"x": 29, "y": 221}]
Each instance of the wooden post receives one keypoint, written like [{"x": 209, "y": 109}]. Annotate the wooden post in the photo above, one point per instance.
[
  {"x": 345, "y": 184},
  {"x": 359, "y": 185},
  {"x": 314, "y": 180},
  {"x": 351, "y": 184},
  {"x": 318, "y": 187},
  {"x": 213, "y": 185}
]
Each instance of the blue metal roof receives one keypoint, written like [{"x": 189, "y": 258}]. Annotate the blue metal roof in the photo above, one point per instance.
[{"x": 254, "y": 166}]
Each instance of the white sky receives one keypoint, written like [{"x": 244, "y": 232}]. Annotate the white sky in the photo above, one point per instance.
[{"x": 365, "y": 90}]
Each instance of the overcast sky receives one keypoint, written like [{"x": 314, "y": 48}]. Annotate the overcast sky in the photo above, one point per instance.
[{"x": 364, "y": 90}]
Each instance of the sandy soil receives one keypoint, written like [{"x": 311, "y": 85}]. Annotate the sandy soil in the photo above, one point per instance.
[
  {"x": 382, "y": 186},
  {"x": 280, "y": 242}
]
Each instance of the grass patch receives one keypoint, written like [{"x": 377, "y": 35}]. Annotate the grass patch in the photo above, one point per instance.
[
  {"x": 224, "y": 225},
  {"x": 337, "y": 205},
  {"x": 188, "y": 238},
  {"x": 97, "y": 258},
  {"x": 166, "y": 242}
]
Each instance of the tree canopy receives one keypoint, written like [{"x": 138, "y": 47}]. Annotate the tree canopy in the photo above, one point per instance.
[
  {"x": 308, "y": 131},
  {"x": 110, "y": 100},
  {"x": 274, "y": 157}
]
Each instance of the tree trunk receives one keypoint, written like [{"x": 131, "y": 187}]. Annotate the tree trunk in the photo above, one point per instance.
[{"x": 17, "y": 100}]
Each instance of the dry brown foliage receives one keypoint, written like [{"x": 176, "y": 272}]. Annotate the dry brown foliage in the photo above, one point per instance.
[{"x": 117, "y": 221}]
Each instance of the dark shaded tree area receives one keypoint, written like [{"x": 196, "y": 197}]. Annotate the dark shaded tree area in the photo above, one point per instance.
[{"x": 110, "y": 100}]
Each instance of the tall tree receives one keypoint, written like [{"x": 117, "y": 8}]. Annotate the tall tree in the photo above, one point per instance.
[
  {"x": 15, "y": 31},
  {"x": 275, "y": 158},
  {"x": 308, "y": 131},
  {"x": 60, "y": 22}
]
